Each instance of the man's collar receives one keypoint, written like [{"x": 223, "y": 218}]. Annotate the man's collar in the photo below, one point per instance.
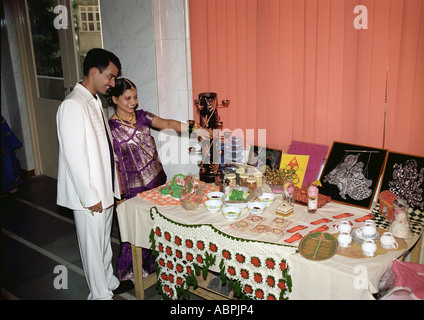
[{"x": 87, "y": 94}]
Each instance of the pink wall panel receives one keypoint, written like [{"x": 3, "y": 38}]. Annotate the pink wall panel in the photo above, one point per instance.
[{"x": 300, "y": 69}]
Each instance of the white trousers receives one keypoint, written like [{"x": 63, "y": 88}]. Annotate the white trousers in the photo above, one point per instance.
[{"x": 94, "y": 241}]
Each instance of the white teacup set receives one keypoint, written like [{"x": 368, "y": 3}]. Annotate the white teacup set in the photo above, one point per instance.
[
  {"x": 367, "y": 236},
  {"x": 368, "y": 233},
  {"x": 387, "y": 241}
]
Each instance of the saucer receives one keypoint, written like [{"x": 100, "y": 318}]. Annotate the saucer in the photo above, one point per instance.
[{"x": 358, "y": 238}]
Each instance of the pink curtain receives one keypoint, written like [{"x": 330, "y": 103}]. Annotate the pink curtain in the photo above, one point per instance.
[
  {"x": 301, "y": 70},
  {"x": 405, "y": 80}
]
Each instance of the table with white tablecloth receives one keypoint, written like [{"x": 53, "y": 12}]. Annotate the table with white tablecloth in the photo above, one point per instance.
[{"x": 262, "y": 264}]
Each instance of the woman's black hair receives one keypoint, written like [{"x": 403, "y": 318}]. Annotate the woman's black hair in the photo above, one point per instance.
[
  {"x": 121, "y": 84},
  {"x": 100, "y": 59}
]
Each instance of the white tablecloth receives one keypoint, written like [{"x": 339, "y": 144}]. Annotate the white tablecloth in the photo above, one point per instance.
[{"x": 339, "y": 277}]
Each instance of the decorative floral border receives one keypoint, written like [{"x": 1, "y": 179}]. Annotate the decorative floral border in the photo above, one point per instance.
[{"x": 181, "y": 256}]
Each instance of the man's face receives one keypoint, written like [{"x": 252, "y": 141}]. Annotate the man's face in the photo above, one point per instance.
[{"x": 106, "y": 79}]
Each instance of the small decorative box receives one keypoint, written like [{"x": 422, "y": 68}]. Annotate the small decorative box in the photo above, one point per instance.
[
  {"x": 284, "y": 210},
  {"x": 386, "y": 204}
]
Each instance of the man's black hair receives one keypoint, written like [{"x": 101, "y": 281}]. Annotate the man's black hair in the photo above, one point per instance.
[{"x": 100, "y": 59}]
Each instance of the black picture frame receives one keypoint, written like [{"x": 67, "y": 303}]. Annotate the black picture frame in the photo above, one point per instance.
[
  {"x": 404, "y": 177},
  {"x": 260, "y": 156},
  {"x": 352, "y": 172}
]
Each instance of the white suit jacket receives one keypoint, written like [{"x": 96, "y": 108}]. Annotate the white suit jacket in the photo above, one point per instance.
[{"x": 84, "y": 174}]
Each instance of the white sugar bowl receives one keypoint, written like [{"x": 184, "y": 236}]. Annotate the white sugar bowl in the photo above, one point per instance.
[{"x": 369, "y": 247}]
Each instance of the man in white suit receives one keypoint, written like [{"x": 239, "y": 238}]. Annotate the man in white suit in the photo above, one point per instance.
[{"x": 87, "y": 181}]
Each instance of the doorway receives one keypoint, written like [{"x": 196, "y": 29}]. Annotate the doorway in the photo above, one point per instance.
[{"x": 53, "y": 37}]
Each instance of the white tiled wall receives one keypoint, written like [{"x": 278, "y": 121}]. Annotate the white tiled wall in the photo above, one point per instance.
[
  {"x": 128, "y": 32},
  {"x": 151, "y": 39}
]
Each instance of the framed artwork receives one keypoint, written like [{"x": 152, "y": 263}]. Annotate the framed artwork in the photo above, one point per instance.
[
  {"x": 316, "y": 154},
  {"x": 260, "y": 156},
  {"x": 351, "y": 173},
  {"x": 404, "y": 177},
  {"x": 297, "y": 164}
]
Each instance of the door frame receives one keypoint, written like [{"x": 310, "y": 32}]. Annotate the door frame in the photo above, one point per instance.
[{"x": 69, "y": 66}]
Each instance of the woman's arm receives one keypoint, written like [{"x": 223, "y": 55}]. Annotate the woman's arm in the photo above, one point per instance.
[{"x": 163, "y": 124}]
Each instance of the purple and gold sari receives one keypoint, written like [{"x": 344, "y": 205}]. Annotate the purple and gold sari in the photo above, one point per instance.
[{"x": 139, "y": 170}]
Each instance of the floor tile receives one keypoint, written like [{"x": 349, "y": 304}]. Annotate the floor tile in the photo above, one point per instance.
[
  {"x": 32, "y": 224},
  {"x": 37, "y": 235},
  {"x": 66, "y": 247},
  {"x": 43, "y": 288},
  {"x": 21, "y": 264}
]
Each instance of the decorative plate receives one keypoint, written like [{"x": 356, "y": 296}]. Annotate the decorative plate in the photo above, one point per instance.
[{"x": 318, "y": 246}]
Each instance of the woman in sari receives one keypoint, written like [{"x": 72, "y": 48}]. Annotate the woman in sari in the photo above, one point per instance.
[{"x": 139, "y": 166}]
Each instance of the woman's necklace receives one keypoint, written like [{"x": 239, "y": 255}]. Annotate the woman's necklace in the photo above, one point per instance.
[{"x": 129, "y": 123}]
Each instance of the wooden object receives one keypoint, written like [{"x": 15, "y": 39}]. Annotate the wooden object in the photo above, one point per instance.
[
  {"x": 140, "y": 284},
  {"x": 386, "y": 204}
]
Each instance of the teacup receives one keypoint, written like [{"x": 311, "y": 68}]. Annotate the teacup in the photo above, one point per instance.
[
  {"x": 344, "y": 226},
  {"x": 369, "y": 229},
  {"x": 369, "y": 248},
  {"x": 388, "y": 241},
  {"x": 344, "y": 239}
]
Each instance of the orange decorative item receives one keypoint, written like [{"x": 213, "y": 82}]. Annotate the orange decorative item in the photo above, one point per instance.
[{"x": 386, "y": 204}]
